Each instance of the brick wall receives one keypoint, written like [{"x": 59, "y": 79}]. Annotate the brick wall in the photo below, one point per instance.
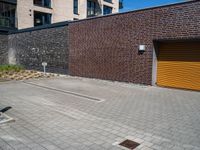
[
  {"x": 31, "y": 48},
  {"x": 103, "y": 47},
  {"x": 107, "y": 47},
  {"x": 3, "y": 49}
]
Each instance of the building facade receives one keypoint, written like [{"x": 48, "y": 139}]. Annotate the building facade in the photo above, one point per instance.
[
  {"x": 154, "y": 46},
  {"x": 29, "y": 13}
]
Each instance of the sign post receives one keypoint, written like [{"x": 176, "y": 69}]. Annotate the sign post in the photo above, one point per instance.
[{"x": 44, "y": 64}]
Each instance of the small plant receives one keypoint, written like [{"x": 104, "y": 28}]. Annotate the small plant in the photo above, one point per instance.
[
  {"x": 17, "y": 72},
  {"x": 11, "y": 68}
]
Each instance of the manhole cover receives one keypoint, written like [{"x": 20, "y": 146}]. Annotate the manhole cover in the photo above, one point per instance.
[{"x": 129, "y": 144}]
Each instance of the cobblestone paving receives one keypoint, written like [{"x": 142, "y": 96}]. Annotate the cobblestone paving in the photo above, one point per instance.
[{"x": 80, "y": 114}]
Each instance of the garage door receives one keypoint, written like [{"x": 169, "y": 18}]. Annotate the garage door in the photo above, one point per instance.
[{"x": 179, "y": 65}]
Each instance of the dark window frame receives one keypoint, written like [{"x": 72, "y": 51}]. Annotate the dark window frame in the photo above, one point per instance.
[
  {"x": 44, "y": 3},
  {"x": 76, "y": 7},
  {"x": 45, "y": 21},
  {"x": 108, "y": 7},
  {"x": 7, "y": 15},
  {"x": 109, "y": 1},
  {"x": 91, "y": 8}
]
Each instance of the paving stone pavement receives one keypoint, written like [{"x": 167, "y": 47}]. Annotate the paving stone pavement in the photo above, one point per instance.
[{"x": 69, "y": 113}]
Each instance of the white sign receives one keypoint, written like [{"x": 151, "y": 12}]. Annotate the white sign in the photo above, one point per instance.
[{"x": 44, "y": 64}]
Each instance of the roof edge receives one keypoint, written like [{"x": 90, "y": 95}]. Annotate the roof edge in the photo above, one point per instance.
[{"x": 49, "y": 26}]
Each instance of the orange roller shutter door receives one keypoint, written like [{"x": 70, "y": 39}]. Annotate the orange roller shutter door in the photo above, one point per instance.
[{"x": 179, "y": 65}]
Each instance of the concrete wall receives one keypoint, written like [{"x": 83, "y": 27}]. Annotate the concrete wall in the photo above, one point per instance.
[
  {"x": 107, "y": 47},
  {"x": 3, "y": 49},
  {"x": 30, "y": 48},
  {"x": 62, "y": 10}
]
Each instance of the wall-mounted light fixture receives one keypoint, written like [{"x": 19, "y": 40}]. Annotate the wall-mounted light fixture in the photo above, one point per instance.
[{"x": 142, "y": 48}]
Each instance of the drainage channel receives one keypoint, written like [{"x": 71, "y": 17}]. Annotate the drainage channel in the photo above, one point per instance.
[{"x": 67, "y": 92}]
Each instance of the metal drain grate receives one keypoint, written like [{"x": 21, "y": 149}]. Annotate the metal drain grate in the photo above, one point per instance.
[{"x": 129, "y": 144}]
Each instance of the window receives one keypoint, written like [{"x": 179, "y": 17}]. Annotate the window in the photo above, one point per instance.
[
  {"x": 43, "y": 3},
  {"x": 75, "y": 6},
  {"x": 91, "y": 8},
  {"x": 109, "y": 1},
  {"x": 107, "y": 10},
  {"x": 7, "y": 15},
  {"x": 121, "y": 4},
  {"x": 41, "y": 18}
]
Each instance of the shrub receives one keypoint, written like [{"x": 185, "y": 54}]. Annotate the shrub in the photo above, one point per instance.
[{"x": 8, "y": 68}]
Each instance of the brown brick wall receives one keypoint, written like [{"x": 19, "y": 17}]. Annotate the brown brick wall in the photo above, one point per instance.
[{"x": 107, "y": 47}]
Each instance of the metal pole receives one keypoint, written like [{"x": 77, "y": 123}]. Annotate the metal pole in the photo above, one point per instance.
[{"x": 44, "y": 69}]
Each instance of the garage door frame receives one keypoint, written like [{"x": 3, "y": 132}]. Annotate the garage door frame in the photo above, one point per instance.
[{"x": 156, "y": 53}]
